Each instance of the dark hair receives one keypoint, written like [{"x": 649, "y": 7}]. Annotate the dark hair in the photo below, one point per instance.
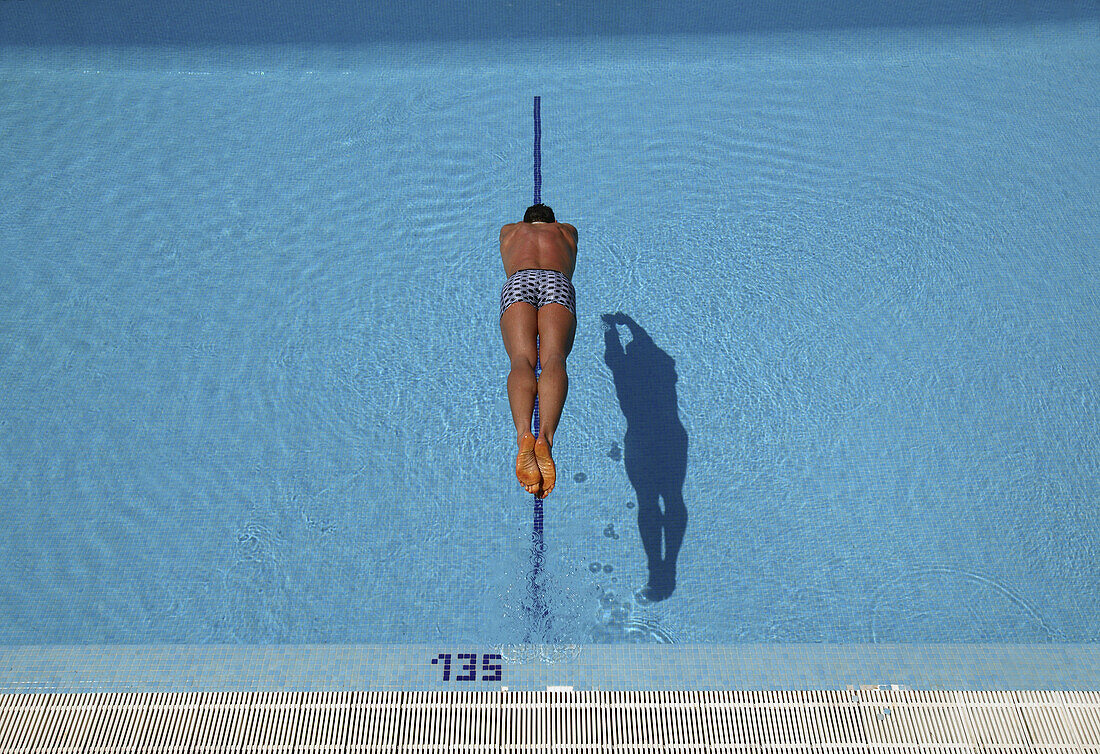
[{"x": 539, "y": 213}]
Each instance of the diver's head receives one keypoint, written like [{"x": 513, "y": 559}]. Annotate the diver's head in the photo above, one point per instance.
[{"x": 538, "y": 213}]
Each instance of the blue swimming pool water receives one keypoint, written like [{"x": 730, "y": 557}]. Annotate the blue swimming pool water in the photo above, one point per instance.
[{"x": 254, "y": 385}]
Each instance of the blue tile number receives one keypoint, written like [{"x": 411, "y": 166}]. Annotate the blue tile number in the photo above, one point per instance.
[{"x": 491, "y": 670}]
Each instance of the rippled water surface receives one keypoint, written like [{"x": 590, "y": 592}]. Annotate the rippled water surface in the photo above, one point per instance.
[{"x": 254, "y": 385}]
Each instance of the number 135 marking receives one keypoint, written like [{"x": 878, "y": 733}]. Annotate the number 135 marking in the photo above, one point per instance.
[{"x": 492, "y": 670}]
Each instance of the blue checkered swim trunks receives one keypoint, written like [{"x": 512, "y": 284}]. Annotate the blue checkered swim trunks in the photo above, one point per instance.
[{"x": 538, "y": 288}]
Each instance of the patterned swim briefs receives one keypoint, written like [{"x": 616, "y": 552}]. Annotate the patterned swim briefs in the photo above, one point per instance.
[{"x": 538, "y": 288}]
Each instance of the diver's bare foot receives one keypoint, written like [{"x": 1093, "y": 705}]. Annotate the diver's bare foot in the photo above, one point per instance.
[
  {"x": 527, "y": 466},
  {"x": 546, "y": 465}
]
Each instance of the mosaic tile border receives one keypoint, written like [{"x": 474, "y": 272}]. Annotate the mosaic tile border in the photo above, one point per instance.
[{"x": 622, "y": 667}]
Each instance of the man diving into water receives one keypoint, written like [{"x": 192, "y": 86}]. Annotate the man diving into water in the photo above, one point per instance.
[{"x": 538, "y": 300}]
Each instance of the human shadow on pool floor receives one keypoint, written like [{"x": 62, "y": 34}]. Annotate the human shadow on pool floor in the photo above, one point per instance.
[{"x": 654, "y": 448}]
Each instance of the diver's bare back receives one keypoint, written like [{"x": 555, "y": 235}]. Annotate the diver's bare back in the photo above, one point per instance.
[{"x": 539, "y": 246}]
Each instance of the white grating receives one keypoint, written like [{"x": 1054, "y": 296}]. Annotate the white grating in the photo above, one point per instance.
[
  {"x": 868, "y": 721},
  {"x": 905, "y": 720},
  {"x": 835, "y": 724},
  {"x": 1083, "y": 711},
  {"x": 1047, "y": 722},
  {"x": 995, "y": 721}
]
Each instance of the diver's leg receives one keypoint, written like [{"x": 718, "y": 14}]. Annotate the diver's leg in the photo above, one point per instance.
[
  {"x": 518, "y": 326},
  {"x": 557, "y": 328}
]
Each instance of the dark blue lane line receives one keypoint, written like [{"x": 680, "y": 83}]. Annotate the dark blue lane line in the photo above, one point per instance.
[
  {"x": 538, "y": 152},
  {"x": 537, "y": 613},
  {"x": 538, "y": 363}
]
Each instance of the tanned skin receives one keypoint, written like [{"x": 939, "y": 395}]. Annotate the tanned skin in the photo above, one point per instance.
[{"x": 537, "y": 246}]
